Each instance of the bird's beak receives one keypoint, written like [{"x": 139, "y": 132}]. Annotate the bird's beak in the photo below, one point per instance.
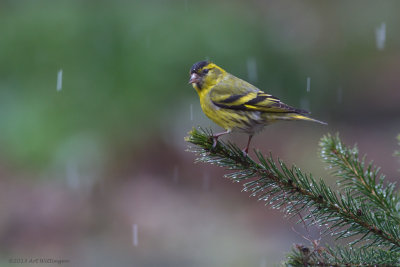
[{"x": 194, "y": 78}]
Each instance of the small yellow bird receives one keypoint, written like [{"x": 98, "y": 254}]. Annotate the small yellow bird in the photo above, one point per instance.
[{"x": 235, "y": 104}]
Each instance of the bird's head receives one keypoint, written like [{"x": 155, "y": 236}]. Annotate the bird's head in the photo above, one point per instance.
[{"x": 204, "y": 75}]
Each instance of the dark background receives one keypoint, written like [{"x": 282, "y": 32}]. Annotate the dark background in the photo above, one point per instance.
[{"x": 83, "y": 166}]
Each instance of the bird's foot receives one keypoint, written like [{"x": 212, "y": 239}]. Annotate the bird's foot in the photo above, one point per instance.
[
  {"x": 215, "y": 142},
  {"x": 215, "y": 139},
  {"x": 245, "y": 152}
]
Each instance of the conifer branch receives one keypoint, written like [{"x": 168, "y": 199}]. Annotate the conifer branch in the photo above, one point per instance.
[
  {"x": 363, "y": 208},
  {"x": 362, "y": 180},
  {"x": 340, "y": 256}
]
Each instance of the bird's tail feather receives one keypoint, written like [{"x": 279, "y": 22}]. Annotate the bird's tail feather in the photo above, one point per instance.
[{"x": 305, "y": 118}]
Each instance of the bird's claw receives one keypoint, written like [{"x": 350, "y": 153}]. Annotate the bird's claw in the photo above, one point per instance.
[
  {"x": 214, "y": 145},
  {"x": 215, "y": 141}
]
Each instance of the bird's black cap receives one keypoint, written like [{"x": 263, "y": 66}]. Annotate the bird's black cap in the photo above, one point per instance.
[{"x": 198, "y": 65}]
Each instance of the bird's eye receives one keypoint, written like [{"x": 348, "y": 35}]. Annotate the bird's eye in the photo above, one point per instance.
[{"x": 205, "y": 71}]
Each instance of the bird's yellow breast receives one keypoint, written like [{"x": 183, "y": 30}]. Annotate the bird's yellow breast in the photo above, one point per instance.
[
  {"x": 216, "y": 114},
  {"x": 244, "y": 121}
]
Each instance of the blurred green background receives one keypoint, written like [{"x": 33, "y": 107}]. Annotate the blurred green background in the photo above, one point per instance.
[{"x": 86, "y": 167}]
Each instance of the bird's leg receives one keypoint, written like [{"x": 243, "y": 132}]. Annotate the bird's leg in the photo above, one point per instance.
[
  {"x": 246, "y": 150},
  {"x": 215, "y": 137}
]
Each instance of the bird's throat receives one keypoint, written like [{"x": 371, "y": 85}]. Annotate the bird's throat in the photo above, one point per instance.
[{"x": 197, "y": 87}]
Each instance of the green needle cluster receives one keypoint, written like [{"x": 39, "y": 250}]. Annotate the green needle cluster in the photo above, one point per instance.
[{"x": 364, "y": 209}]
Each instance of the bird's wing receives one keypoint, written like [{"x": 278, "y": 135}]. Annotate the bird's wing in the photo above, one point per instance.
[{"x": 240, "y": 95}]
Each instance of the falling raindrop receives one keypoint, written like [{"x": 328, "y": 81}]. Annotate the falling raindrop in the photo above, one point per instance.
[
  {"x": 380, "y": 36},
  {"x": 252, "y": 69},
  {"x": 59, "y": 80},
  {"x": 339, "y": 95},
  {"x": 308, "y": 84},
  {"x": 175, "y": 176},
  {"x": 191, "y": 112},
  {"x": 135, "y": 239}
]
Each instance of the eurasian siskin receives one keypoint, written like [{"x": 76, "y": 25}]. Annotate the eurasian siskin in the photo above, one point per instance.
[{"x": 235, "y": 104}]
